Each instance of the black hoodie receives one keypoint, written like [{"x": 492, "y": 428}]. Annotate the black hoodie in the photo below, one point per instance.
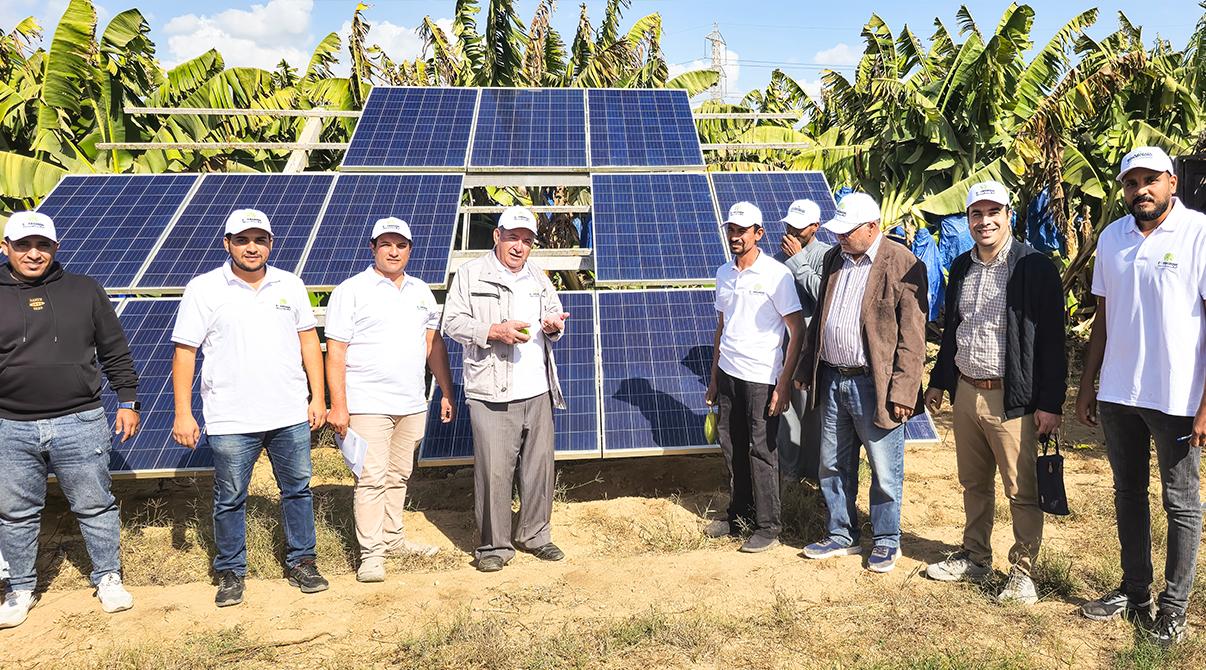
[{"x": 52, "y": 333}]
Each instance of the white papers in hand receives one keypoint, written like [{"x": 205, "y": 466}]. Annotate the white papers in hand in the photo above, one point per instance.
[{"x": 353, "y": 448}]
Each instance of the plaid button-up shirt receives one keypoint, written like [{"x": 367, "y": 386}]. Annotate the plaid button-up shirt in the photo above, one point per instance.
[{"x": 981, "y": 333}]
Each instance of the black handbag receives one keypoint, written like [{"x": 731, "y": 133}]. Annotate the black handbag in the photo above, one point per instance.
[{"x": 1052, "y": 497}]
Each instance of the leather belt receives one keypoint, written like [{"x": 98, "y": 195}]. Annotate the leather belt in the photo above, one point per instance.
[
  {"x": 983, "y": 384},
  {"x": 848, "y": 372}
]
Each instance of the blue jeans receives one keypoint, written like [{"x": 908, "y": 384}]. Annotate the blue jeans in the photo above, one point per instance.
[
  {"x": 1129, "y": 433},
  {"x": 77, "y": 447},
  {"x": 234, "y": 457},
  {"x": 847, "y": 406}
]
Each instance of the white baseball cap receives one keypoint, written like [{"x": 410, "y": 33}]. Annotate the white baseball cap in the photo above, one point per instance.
[
  {"x": 517, "y": 217},
  {"x": 802, "y": 214},
  {"x": 993, "y": 191},
  {"x": 391, "y": 224},
  {"x": 27, "y": 224},
  {"x": 1152, "y": 158},
  {"x": 744, "y": 214},
  {"x": 246, "y": 219},
  {"x": 853, "y": 211}
]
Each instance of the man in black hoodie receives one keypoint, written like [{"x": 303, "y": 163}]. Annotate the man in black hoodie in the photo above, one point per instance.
[{"x": 54, "y": 327}]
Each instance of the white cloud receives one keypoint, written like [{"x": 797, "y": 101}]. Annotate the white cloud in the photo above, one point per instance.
[
  {"x": 840, "y": 54},
  {"x": 399, "y": 42},
  {"x": 731, "y": 67},
  {"x": 257, "y": 37}
]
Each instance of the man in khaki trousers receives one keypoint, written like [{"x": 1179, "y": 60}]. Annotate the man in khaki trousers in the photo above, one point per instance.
[
  {"x": 1003, "y": 351},
  {"x": 377, "y": 321}
]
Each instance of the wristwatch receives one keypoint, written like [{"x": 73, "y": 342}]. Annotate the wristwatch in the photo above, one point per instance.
[{"x": 133, "y": 405}]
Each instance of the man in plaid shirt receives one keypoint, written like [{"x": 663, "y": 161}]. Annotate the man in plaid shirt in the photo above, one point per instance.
[{"x": 1003, "y": 350}]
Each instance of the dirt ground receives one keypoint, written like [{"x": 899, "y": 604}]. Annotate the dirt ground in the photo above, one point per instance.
[{"x": 640, "y": 587}]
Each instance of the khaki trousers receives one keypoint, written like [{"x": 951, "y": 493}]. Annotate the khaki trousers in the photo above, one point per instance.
[
  {"x": 380, "y": 493},
  {"x": 985, "y": 443}
]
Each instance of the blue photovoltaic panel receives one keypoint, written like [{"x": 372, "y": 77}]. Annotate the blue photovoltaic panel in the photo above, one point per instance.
[
  {"x": 194, "y": 245},
  {"x": 656, "y": 348},
  {"x": 642, "y": 128},
  {"x": 428, "y": 202},
  {"x": 655, "y": 227},
  {"x": 576, "y": 428},
  {"x": 921, "y": 428},
  {"x": 148, "y": 327},
  {"x": 108, "y": 224},
  {"x": 526, "y": 128},
  {"x": 413, "y": 127},
  {"x": 773, "y": 193}
]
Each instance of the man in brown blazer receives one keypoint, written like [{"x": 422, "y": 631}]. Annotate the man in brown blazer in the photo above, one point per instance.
[{"x": 864, "y": 355}]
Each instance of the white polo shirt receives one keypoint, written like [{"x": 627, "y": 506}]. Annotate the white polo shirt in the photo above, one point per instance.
[
  {"x": 252, "y": 379},
  {"x": 385, "y": 328},
  {"x": 528, "y": 375},
  {"x": 754, "y": 302},
  {"x": 1155, "y": 353}
]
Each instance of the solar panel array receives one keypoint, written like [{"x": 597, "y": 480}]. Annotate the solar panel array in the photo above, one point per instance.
[
  {"x": 773, "y": 193},
  {"x": 530, "y": 128},
  {"x": 292, "y": 203},
  {"x": 634, "y": 364},
  {"x": 576, "y": 429},
  {"x": 428, "y": 202},
  {"x": 148, "y": 327},
  {"x": 413, "y": 127},
  {"x": 655, "y": 228},
  {"x": 108, "y": 224},
  {"x": 642, "y": 128}
]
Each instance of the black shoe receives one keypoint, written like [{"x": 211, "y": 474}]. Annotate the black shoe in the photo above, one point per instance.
[
  {"x": 230, "y": 589},
  {"x": 1167, "y": 629},
  {"x": 1117, "y": 604},
  {"x": 547, "y": 552},
  {"x": 305, "y": 576},
  {"x": 490, "y": 563}
]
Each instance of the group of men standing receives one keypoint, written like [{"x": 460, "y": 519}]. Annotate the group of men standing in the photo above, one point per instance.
[
  {"x": 817, "y": 343},
  {"x": 853, "y": 340}
]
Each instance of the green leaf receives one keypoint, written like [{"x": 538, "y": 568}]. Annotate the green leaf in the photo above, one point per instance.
[
  {"x": 695, "y": 81},
  {"x": 69, "y": 63},
  {"x": 22, "y": 177}
]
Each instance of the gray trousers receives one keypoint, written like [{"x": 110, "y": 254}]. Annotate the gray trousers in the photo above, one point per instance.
[
  {"x": 799, "y": 439},
  {"x": 507, "y": 436}
]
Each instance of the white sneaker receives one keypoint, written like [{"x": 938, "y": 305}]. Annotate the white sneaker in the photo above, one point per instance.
[
  {"x": 1019, "y": 589},
  {"x": 404, "y": 547},
  {"x": 113, "y": 596},
  {"x": 16, "y": 608},
  {"x": 371, "y": 570}
]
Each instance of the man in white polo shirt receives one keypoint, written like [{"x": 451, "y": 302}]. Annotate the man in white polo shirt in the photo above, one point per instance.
[
  {"x": 1149, "y": 344},
  {"x": 756, "y": 304},
  {"x": 256, "y": 330},
  {"x": 506, "y": 314},
  {"x": 377, "y": 321}
]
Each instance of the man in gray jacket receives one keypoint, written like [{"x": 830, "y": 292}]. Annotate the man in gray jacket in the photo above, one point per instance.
[
  {"x": 506, "y": 314},
  {"x": 803, "y": 254}
]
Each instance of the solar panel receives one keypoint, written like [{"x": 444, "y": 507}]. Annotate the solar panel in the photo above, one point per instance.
[
  {"x": 148, "y": 327},
  {"x": 292, "y": 202},
  {"x": 655, "y": 227},
  {"x": 428, "y": 202},
  {"x": 530, "y": 128},
  {"x": 413, "y": 127},
  {"x": 108, "y": 224},
  {"x": 576, "y": 428},
  {"x": 642, "y": 128},
  {"x": 773, "y": 193},
  {"x": 921, "y": 428},
  {"x": 656, "y": 349}
]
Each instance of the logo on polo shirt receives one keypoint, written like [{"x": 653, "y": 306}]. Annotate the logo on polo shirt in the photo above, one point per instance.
[
  {"x": 283, "y": 305},
  {"x": 1168, "y": 262}
]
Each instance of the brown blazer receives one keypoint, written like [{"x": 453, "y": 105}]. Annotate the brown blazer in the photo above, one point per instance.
[{"x": 895, "y": 305}]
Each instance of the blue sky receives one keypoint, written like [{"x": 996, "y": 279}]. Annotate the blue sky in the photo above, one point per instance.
[{"x": 801, "y": 37}]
